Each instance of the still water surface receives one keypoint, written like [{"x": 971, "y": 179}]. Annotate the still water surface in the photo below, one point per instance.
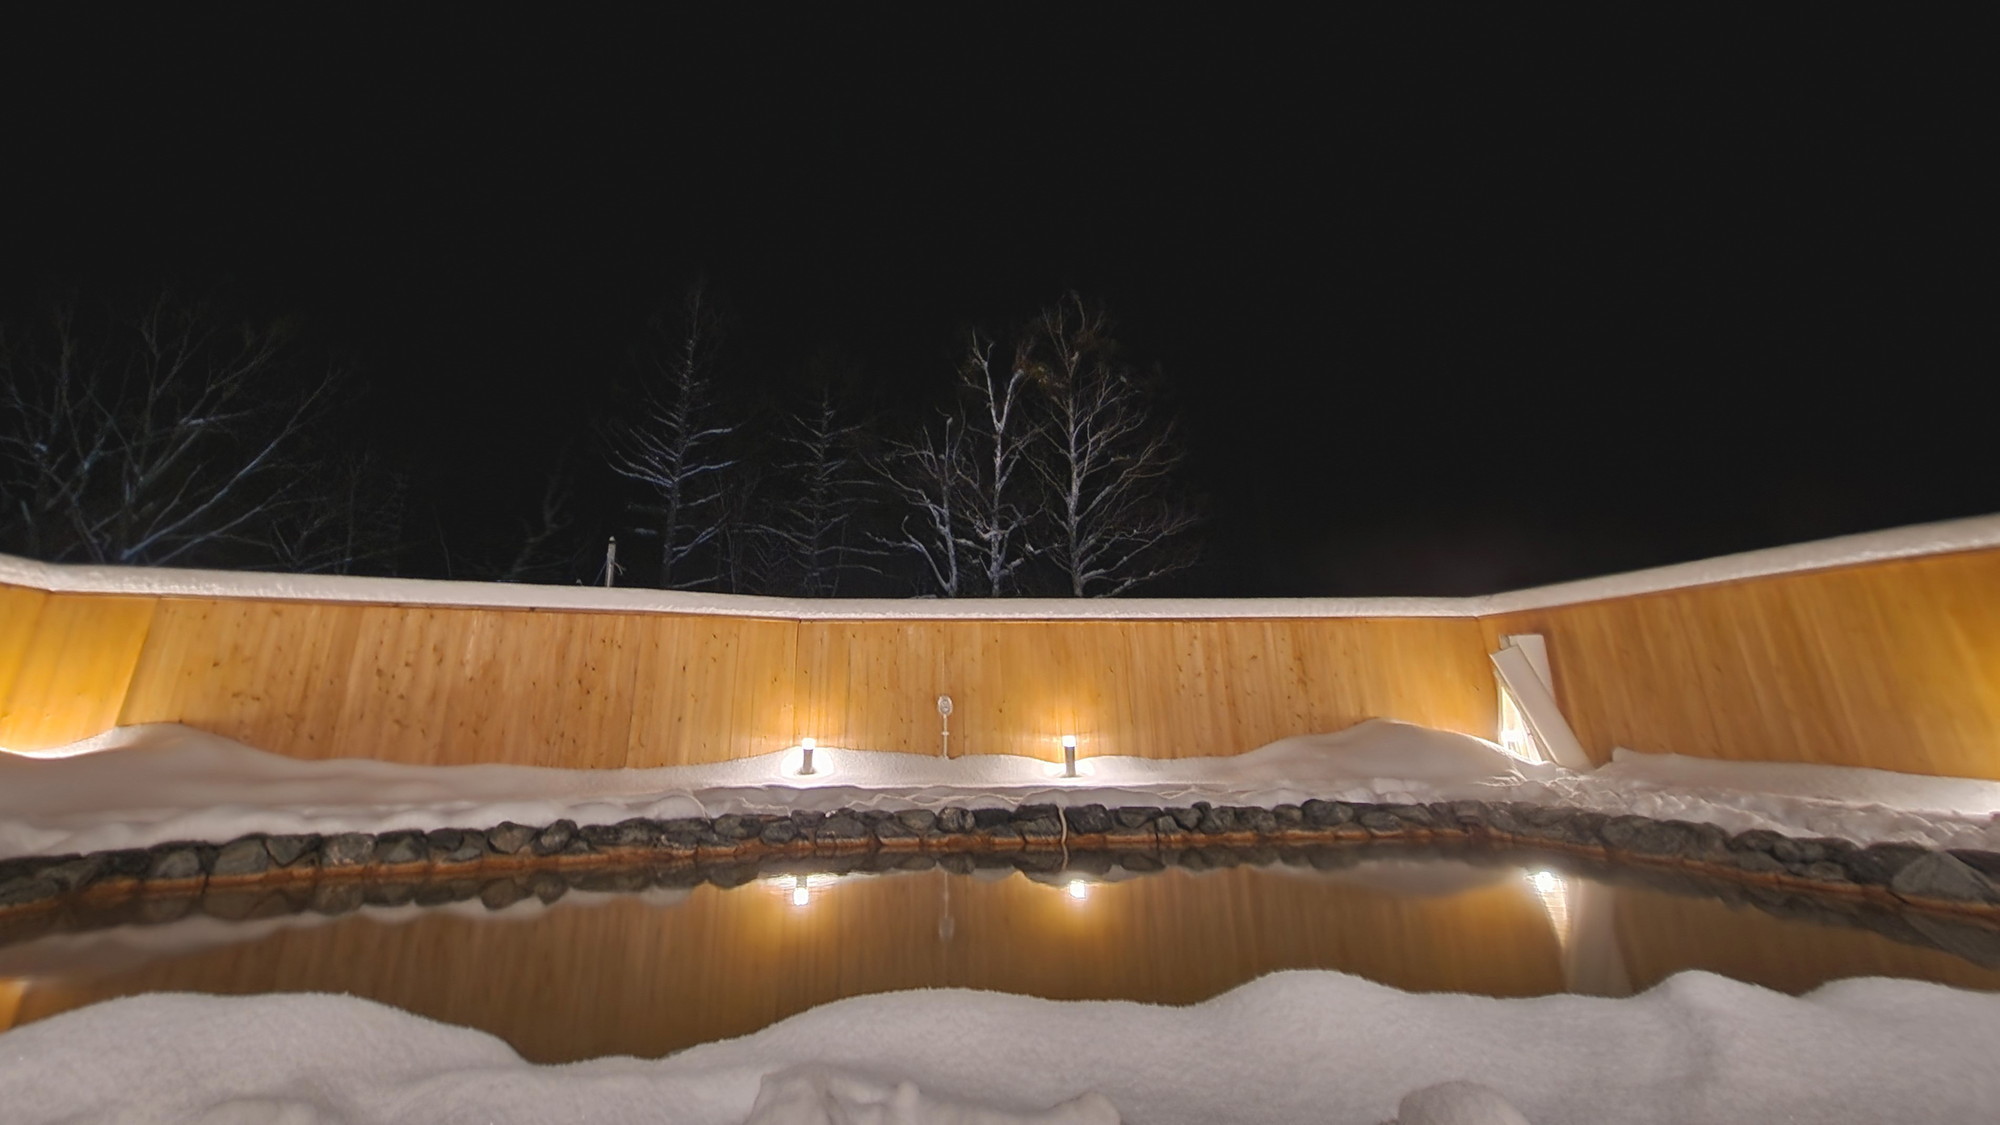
[{"x": 652, "y": 972}]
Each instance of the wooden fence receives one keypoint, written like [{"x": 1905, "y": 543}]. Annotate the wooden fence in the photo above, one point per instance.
[{"x": 1892, "y": 663}]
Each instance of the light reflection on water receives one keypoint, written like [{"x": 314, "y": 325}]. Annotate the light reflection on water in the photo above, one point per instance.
[{"x": 645, "y": 974}]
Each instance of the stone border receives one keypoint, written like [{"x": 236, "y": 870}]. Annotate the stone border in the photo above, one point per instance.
[{"x": 1958, "y": 881}]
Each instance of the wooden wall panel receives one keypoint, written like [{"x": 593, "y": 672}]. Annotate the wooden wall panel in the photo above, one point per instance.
[
  {"x": 710, "y": 689},
  {"x": 1159, "y": 689},
  {"x": 1894, "y": 665},
  {"x": 270, "y": 674},
  {"x": 19, "y": 609},
  {"x": 539, "y": 688},
  {"x": 71, "y": 680}
]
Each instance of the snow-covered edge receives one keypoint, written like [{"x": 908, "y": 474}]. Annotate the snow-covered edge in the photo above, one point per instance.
[{"x": 1974, "y": 533}]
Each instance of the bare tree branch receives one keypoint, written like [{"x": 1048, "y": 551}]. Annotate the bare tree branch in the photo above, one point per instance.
[
  {"x": 1105, "y": 460},
  {"x": 175, "y": 435},
  {"x": 674, "y": 447}
]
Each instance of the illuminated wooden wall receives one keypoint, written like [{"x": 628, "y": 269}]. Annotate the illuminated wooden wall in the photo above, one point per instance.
[
  {"x": 441, "y": 685},
  {"x": 1892, "y": 664}
]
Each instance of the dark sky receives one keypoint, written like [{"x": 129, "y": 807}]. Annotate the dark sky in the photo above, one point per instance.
[{"x": 1455, "y": 306}]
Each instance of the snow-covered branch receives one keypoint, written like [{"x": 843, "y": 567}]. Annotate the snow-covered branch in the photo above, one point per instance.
[
  {"x": 1105, "y": 459},
  {"x": 673, "y": 448}
]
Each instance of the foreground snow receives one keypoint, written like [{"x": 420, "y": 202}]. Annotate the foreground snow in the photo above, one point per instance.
[
  {"x": 1292, "y": 1047},
  {"x": 139, "y": 786}
]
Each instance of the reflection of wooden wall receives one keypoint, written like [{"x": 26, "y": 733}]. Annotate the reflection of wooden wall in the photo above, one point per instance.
[
  {"x": 1893, "y": 664},
  {"x": 631, "y": 975},
  {"x": 1660, "y": 934}
]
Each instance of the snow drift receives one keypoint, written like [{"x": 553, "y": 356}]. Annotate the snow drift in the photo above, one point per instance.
[
  {"x": 1292, "y": 1047},
  {"x": 145, "y": 785}
]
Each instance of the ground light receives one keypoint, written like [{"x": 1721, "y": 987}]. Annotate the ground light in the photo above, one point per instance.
[
  {"x": 806, "y": 744},
  {"x": 1069, "y": 755}
]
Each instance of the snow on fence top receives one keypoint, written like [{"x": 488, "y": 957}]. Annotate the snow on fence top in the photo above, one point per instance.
[{"x": 1944, "y": 537}]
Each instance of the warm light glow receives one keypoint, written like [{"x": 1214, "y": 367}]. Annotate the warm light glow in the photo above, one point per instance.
[
  {"x": 1078, "y": 889},
  {"x": 1515, "y": 738},
  {"x": 1069, "y": 742},
  {"x": 807, "y": 743},
  {"x": 1553, "y": 890},
  {"x": 801, "y": 896}
]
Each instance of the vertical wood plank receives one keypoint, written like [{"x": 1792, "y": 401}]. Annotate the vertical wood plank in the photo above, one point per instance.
[{"x": 72, "y": 679}]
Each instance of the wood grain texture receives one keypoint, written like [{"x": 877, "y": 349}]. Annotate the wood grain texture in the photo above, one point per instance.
[
  {"x": 1894, "y": 665},
  {"x": 1156, "y": 689},
  {"x": 649, "y": 974},
  {"x": 69, "y": 679},
  {"x": 19, "y": 610},
  {"x": 1660, "y": 934},
  {"x": 428, "y": 686}
]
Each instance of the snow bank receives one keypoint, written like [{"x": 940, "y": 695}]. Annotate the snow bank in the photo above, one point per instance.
[
  {"x": 1292, "y": 1047},
  {"x": 149, "y": 784},
  {"x": 1975, "y": 533},
  {"x": 1863, "y": 805},
  {"x": 139, "y": 786}
]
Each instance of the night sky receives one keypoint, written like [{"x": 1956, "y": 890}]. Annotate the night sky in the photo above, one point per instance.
[{"x": 1453, "y": 307}]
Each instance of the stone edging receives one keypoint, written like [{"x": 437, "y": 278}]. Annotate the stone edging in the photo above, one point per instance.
[{"x": 1954, "y": 881}]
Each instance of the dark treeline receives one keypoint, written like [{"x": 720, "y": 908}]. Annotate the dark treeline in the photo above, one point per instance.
[{"x": 188, "y": 430}]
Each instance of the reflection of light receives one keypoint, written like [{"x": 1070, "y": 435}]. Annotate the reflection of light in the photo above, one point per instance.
[
  {"x": 1078, "y": 889},
  {"x": 799, "y": 887},
  {"x": 1554, "y": 892}
]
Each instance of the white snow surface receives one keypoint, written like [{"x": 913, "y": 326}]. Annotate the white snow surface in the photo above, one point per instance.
[
  {"x": 138, "y": 786},
  {"x": 1302, "y": 1046},
  {"x": 1974, "y": 533},
  {"x": 148, "y": 784}
]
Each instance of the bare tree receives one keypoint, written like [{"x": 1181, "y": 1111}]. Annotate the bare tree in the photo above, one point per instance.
[
  {"x": 998, "y": 435},
  {"x": 176, "y": 435},
  {"x": 674, "y": 448},
  {"x": 351, "y": 520},
  {"x": 1104, "y": 457},
  {"x": 931, "y": 477},
  {"x": 811, "y": 534},
  {"x": 538, "y": 555}
]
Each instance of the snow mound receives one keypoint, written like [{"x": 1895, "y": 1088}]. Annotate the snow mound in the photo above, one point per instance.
[
  {"x": 148, "y": 784},
  {"x": 1851, "y": 785},
  {"x": 1457, "y": 1103},
  {"x": 145, "y": 785},
  {"x": 1800, "y": 799},
  {"x": 816, "y": 1095},
  {"x": 1292, "y": 1047}
]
